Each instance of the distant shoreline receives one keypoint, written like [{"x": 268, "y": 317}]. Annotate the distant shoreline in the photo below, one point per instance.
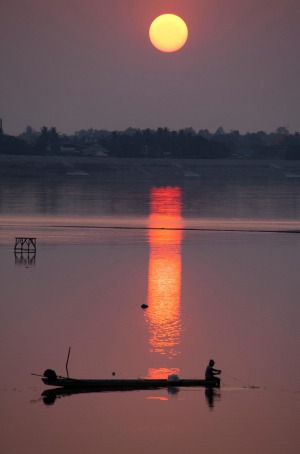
[{"x": 146, "y": 169}]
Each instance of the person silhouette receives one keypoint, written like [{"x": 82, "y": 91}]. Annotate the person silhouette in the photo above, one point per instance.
[{"x": 211, "y": 372}]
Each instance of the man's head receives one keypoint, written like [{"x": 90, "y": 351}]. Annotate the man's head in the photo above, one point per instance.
[{"x": 211, "y": 362}]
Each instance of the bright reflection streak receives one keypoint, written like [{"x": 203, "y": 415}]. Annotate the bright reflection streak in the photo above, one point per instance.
[
  {"x": 164, "y": 275},
  {"x": 162, "y": 372}
]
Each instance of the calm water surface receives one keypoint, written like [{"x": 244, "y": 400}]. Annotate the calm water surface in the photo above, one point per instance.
[{"x": 218, "y": 267}]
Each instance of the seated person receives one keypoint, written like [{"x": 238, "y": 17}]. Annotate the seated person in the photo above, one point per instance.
[{"x": 210, "y": 372}]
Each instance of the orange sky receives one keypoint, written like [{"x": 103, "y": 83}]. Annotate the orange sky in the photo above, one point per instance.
[{"x": 86, "y": 63}]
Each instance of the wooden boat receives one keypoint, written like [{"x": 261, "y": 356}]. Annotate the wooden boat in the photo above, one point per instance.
[{"x": 50, "y": 378}]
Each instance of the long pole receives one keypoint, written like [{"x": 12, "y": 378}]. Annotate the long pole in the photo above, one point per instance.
[{"x": 68, "y": 362}]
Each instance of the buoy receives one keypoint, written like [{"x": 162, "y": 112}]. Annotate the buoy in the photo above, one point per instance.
[{"x": 144, "y": 306}]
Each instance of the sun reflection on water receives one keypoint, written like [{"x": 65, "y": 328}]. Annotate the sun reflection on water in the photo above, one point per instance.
[{"x": 164, "y": 275}]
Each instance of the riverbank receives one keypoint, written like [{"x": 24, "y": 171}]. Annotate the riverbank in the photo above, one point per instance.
[{"x": 58, "y": 167}]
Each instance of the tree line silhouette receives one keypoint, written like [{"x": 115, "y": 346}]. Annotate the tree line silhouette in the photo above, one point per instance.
[{"x": 159, "y": 143}]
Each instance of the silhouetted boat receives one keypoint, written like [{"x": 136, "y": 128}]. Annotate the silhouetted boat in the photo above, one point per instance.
[{"x": 50, "y": 378}]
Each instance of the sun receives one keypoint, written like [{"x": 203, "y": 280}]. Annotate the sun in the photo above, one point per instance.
[{"x": 168, "y": 33}]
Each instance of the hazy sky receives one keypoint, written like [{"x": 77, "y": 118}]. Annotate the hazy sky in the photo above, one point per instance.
[{"x": 77, "y": 64}]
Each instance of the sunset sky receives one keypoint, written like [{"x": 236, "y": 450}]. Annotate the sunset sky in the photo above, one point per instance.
[{"x": 79, "y": 64}]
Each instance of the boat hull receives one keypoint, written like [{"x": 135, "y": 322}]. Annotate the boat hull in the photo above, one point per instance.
[{"x": 119, "y": 384}]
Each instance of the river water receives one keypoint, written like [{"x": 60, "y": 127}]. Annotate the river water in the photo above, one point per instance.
[{"x": 218, "y": 267}]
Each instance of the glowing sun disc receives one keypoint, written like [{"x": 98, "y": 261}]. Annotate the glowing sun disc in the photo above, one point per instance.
[{"x": 168, "y": 33}]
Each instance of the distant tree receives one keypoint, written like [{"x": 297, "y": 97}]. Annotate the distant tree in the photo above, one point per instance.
[
  {"x": 292, "y": 144},
  {"x": 162, "y": 132},
  {"x": 204, "y": 133},
  {"x": 41, "y": 144},
  {"x": 235, "y": 133},
  {"x": 29, "y": 135},
  {"x": 54, "y": 140},
  {"x": 47, "y": 141},
  {"x": 130, "y": 131},
  {"x": 13, "y": 145},
  {"x": 282, "y": 130},
  {"x": 220, "y": 131},
  {"x": 252, "y": 139},
  {"x": 189, "y": 131},
  {"x": 263, "y": 136},
  {"x": 183, "y": 143}
]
